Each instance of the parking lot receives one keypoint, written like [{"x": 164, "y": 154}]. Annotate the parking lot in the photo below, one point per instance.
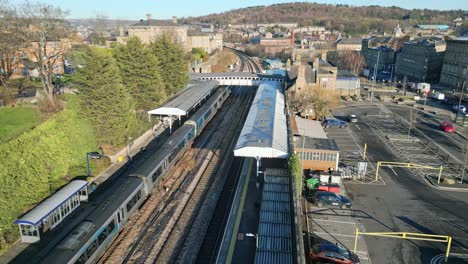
[
  {"x": 336, "y": 226},
  {"x": 349, "y": 148},
  {"x": 409, "y": 148}
]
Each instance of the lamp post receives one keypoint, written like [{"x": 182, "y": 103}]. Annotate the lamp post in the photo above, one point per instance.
[
  {"x": 375, "y": 75},
  {"x": 129, "y": 148},
  {"x": 93, "y": 155}
]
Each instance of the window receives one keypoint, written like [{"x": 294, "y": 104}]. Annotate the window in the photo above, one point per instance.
[
  {"x": 157, "y": 173},
  {"x": 91, "y": 249},
  {"x": 133, "y": 201},
  {"x": 81, "y": 260},
  {"x": 106, "y": 232}
]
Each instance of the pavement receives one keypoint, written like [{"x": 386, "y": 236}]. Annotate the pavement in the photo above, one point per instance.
[{"x": 406, "y": 203}]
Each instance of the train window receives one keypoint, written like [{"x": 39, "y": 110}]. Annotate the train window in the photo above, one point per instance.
[
  {"x": 133, "y": 201},
  {"x": 91, "y": 249},
  {"x": 157, "y": 173},
  {"x": 81, "y": 260},
  {"x": 118, "y": 217}
]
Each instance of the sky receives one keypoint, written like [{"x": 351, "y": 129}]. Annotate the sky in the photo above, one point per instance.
[{"x": 165, "y": 9}]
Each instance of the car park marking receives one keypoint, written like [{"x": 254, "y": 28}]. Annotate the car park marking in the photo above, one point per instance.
[
  {"x": 334, "y": 234},
  {"x": 357, "y": 126},
  {"x": 332, "y": 221}
]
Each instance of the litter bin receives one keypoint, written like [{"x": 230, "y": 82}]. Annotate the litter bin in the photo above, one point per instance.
[{"x": 312, "y": 183}]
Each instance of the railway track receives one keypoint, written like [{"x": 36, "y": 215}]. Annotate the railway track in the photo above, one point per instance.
[
  {"x": 247, "y": 64},
  {"x": 183, "y": 246},
  {"x": 157, "y": 227}
]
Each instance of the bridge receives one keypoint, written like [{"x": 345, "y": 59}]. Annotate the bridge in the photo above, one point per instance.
[{"x": 239, "y": 78}]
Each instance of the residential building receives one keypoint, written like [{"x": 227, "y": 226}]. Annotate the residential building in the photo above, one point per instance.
[
  {"x": 420, "y": 61},
  {"x": 349, "y": 44},
  {"x": 150, "y": 29},
  {"x": 207, "y": 41},
  {"x": 455, "y": 64}
]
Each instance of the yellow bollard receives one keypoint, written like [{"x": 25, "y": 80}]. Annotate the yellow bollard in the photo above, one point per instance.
[
  {"x": 355, "y": 240},
  {"x": 365, "y": 151},
  {"x": 377, "y": 170},
  {"x": 449, "y": 243},
  {"x": 440, "y": 174}
]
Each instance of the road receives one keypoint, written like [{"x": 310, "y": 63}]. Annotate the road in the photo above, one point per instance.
[{"x": 406, "y": 203}]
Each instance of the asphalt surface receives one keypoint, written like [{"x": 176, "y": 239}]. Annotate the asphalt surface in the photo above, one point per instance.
[{"x": 406, "y": 203}]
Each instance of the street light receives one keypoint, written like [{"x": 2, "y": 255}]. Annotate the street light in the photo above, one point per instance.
[
  {"x": 93, "y": 155},
  {"x": 129, "y": 148},
  {"x": 375, "y": 75}
]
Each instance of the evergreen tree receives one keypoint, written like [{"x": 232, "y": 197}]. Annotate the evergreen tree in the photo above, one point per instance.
[
  {"x": 140, "y": 74},
  {"x": 104, "y": 99},
  {"x": 174, "y": 70}
]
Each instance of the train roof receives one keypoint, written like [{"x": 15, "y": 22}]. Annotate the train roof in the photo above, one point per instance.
[
  {"x": 49, "y": 205},
  {"x": 96, "y": 216},
  {"x": 152, "y": 161},
  {"x": 208, "y": 104}
]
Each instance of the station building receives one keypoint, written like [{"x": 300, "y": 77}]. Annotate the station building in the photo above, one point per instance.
[{"x": 315, "y": 150}]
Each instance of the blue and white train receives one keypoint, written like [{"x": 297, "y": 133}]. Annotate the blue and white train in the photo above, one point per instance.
[{"x": 104, "y": 218}]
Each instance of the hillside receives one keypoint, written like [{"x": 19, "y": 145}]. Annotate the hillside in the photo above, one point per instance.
[{"x": 351, "y": 19}]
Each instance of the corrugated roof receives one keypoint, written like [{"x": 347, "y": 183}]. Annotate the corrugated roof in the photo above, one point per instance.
[
  {"x": 35, "y": 215},
  {"x": 154, "y": 23},
  {"x": 275, "y": 228},
  {"x": 265, "y": 132},
  {"x": 194, "y": 92}
]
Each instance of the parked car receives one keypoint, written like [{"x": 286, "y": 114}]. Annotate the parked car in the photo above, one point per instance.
[
  {"x": 330, "y": 253},
  {"x": 352, "y": 118},
  {"x": 330, "y": 199},
  {"x": 333, "y": 122},
  {"x": 462, "y": 108},
  {"x": 447, "y": 127},
  {"x": 438, "y": 96}
]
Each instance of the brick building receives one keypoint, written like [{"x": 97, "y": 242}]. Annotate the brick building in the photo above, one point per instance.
[
  {"x": 455, "y": 63},
  {"x": 420, "y": 61}
]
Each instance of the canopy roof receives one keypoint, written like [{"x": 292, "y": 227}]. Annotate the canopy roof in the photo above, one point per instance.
[
  {"x": 265, "y": 133},
  {"x": 193, "y": 94},
  {"x": 49, "y": 205}
]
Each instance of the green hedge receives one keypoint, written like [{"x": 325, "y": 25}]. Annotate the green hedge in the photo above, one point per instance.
[
  {"x": 296, "y": 171},
  {"x": 39, "y": 162}
]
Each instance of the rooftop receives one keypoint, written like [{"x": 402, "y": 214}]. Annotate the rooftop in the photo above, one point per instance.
[
  {"x": 350, "y": 41},
  {"x": 264, "y": 134},
  {"x": 315, "y": 143},
  {"x": 35, "y": 215},
  {"x": 194, "y": 92},
  {"x": 309, "y": 128},
  {"x": 154, "y": 23},
  {"x": 345, "y": 74}
]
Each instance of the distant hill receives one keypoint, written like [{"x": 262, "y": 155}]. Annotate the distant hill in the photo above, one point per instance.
[{"x": 351, "y": 19}]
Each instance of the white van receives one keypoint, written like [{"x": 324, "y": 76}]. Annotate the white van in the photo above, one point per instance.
[{"x": 438, "y": 96}]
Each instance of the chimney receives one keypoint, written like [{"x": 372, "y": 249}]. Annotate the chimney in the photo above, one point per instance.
[
  {"x": 174, "y": 20},
  {"x": 148, "y": 17}
]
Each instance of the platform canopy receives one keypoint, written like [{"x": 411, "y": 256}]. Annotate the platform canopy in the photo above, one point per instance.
[
  {"x": 191, "y": 96},
  {"x": 49, "y": 205},
  {"x": 265, "y": 133}
]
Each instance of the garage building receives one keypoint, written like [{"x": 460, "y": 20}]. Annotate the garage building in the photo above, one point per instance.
[{"x": 317, "y": 153}]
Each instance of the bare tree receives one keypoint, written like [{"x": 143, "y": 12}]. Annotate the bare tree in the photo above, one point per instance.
[
  {"x": 44, "y": 29},
  {"x": 11, "y": 46}
]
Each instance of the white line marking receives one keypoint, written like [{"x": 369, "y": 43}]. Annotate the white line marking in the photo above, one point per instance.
[
  {"x": 333, "y": 234},
  {"x": 332, "y": 221},
  {"x": 358, "y": 127}
]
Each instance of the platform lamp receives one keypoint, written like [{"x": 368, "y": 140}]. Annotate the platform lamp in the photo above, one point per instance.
[{"x": 93, "y": 155}]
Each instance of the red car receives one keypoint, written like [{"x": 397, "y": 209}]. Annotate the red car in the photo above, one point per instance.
[
  {"x": 447, "y": 127},
  {"x": 330, "y": 253}
]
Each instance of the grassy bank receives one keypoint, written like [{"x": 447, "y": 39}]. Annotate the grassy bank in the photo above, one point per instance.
[
  {"x": 16, "y": 120},
  {"x": 38, "y": 162}
]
